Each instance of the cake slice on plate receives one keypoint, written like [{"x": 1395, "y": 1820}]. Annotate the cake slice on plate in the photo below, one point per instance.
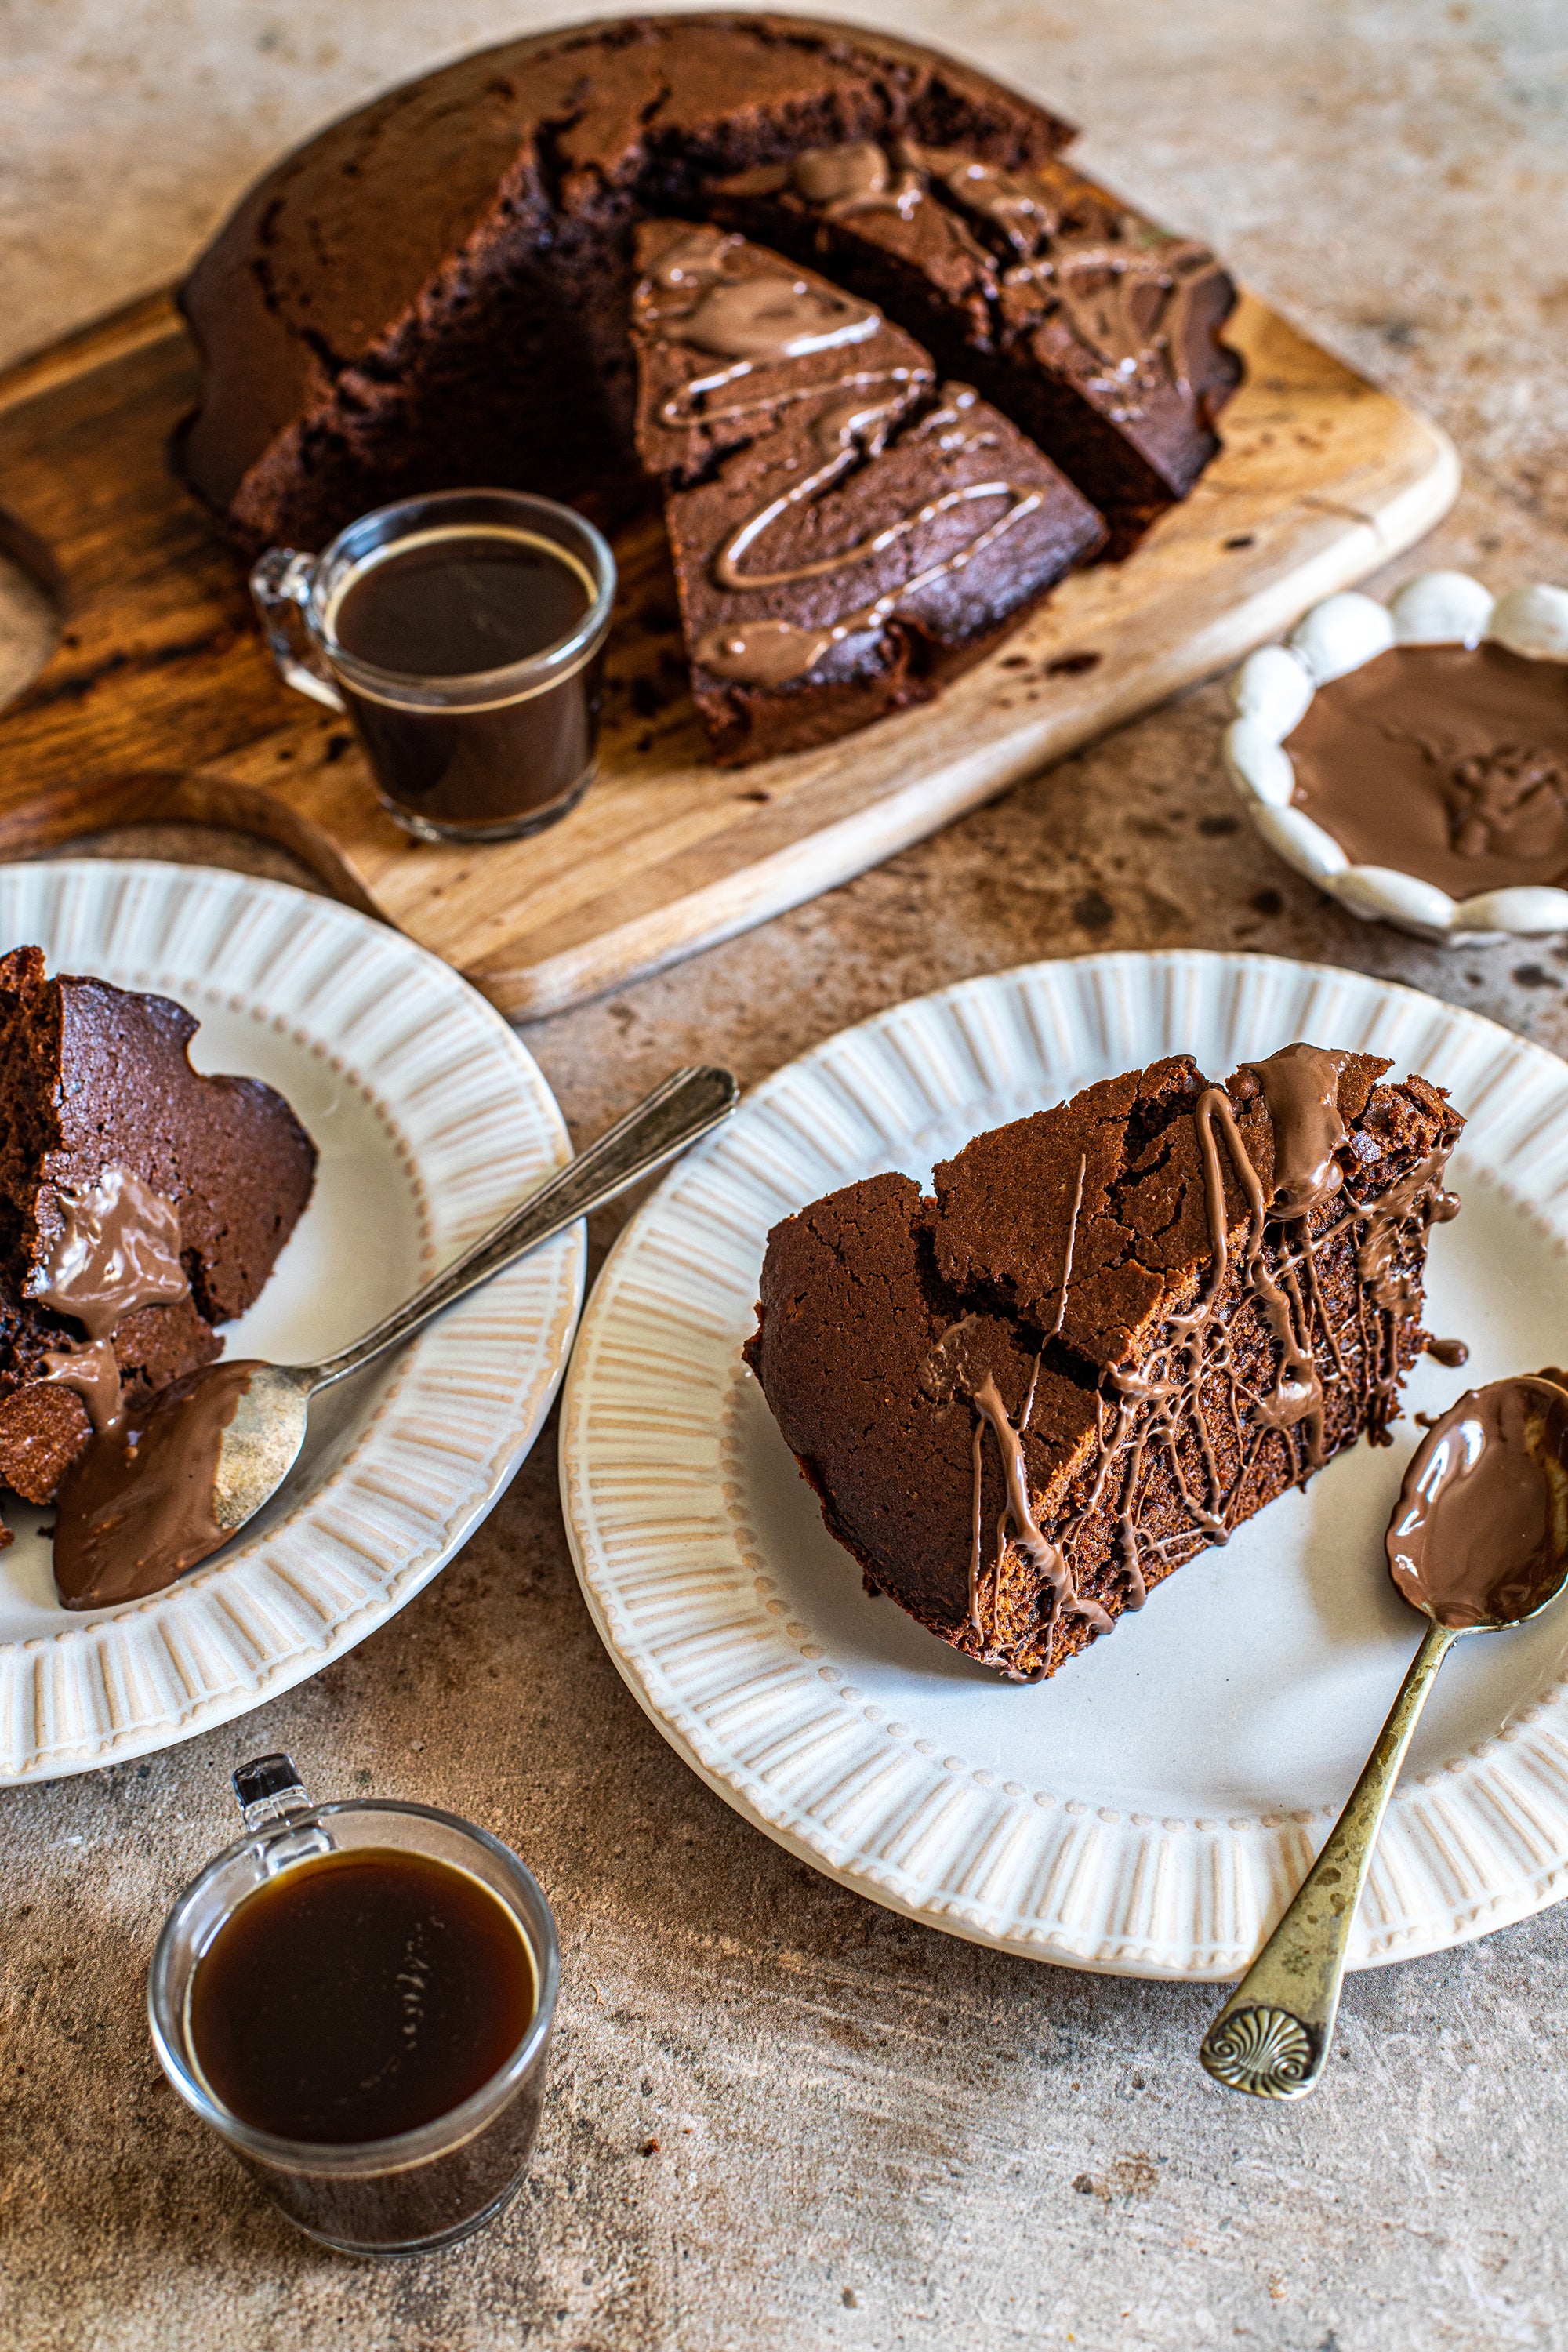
[
  {"x": 1120, "y": 1328},
  {"x": 1094, "y": 329},
  {"x": 141, "y": 1205},
  {"x": 847, "y": 530}
]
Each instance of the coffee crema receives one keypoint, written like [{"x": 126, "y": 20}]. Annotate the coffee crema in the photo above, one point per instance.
[
  {"x": 1446, "y": 762},
  {"x": 459, "y": 602},
  {"x": 456, "y": 604}
]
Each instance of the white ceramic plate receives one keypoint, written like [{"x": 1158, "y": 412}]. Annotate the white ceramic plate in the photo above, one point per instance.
[
  {"x": 431, "y": 1121},
  {"x": 1149, "y": 1810}
]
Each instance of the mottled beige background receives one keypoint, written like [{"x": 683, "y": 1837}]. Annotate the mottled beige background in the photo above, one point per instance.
[{"x": 868, "y": 2135}]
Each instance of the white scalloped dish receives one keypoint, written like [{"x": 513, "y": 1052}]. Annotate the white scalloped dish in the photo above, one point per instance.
[
  {"x": 1149, "y": 1810},
  {"x": 1275, "y": 687},
  {"x": 431, "y": 1121}
]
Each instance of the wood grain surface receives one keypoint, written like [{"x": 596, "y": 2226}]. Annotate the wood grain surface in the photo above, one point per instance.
[{"x": 160, "y": 701}]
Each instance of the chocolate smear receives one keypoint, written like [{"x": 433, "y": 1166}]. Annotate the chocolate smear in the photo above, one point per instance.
[
  {"x": 1302, "y": 1088},
  {"x": 117, "y": 1248},
  {"x": 136, "y": 1508},
  {"x": 1446, "y": 762},
  {"x": 93, "y": 1373},
  {"x": 1480, "y": 1534}
]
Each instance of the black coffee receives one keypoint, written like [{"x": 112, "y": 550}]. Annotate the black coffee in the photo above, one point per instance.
[
  {"x": 450, "y": 603},
  {"x": 456, "y": 604},
  {"x": 360, "y": 1995}
]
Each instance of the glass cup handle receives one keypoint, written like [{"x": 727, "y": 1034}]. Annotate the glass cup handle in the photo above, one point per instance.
[
  {"x": 276, "y": 1805},
  {"x": 281, "y": 580}
]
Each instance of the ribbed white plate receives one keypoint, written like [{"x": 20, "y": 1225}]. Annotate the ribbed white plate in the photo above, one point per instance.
[
  {"x": 1150, "y": 1810},
  {"x": 431, "y": 1121}
]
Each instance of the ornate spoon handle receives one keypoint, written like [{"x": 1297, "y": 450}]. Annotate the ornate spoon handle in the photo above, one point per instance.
[{"x": 1272, "y": 2036}]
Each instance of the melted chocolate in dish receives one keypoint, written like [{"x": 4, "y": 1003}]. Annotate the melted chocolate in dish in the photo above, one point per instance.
[
  {"x": 1480, "y": 1531},
  {"x": 1446, "y": 762},
  {"x": 136, "y": 1508},
  {"x": 847, "y": 532},
  {"x": 1119, "y": 1328},
  {"x": 142, "y": 1204}
]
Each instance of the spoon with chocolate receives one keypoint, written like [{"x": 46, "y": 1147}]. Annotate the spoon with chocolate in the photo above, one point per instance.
[
  {"x": 148, "y": 1499},
  {"x": 1479, "y": 1542}
]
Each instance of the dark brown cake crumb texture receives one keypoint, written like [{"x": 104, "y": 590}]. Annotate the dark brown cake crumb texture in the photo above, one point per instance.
[
  {"x": 1135, "y": 1458},
  {"x": 93, "y": 1077}
]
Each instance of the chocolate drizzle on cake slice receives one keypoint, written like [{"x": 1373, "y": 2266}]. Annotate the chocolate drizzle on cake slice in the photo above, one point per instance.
[
  {"x": 1096, "y": 332},
  {"x": 141, "y": 1204},
  {"x": 1119, "y": 1329},
  {"x": 847, "y": 532}
]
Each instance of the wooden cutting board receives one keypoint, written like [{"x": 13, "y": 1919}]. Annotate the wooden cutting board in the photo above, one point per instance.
[{"x": 160, "y": 701}]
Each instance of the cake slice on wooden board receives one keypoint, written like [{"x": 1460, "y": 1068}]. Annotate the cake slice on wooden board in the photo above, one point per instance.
[
  {"x": 1117, "y": 1330},
  {"x": 1094, "y": 329},
  {"x": 141, "y": 1204},
  {"x": 847, "y": 531}
]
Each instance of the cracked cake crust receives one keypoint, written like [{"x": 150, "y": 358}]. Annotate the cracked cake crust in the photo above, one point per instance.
[
  {"x": 433, "y": 291},
  {"x": 1026, "y": 1401}
]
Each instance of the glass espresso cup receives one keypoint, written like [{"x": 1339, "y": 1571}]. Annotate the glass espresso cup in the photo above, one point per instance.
[
  {"x": 464, "y": 635},
  {"x": 225, "y": 2019}
]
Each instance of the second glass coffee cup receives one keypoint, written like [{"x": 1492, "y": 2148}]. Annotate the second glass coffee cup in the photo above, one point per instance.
[
  {"x": 463, "y": 633},
  {"x": 274, "y": 2056}
]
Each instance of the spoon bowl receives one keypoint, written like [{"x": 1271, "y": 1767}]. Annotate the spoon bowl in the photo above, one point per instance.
[
  {"x": 1477, "y": 1541},
  {"x": 1478, "y": 1538},
  {"x": 140, "y": 1506},
  {"x": 262, "y": 1443}
]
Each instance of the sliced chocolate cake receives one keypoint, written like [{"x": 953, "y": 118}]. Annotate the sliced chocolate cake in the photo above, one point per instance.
[
  {"x": 848, "y": 532},
  {"x": 1119, "y": 1329},
  {"x": 141, "y": 1204},
  {"x": 433, "y": 291},
  {"x": 1096, "y": 332}
]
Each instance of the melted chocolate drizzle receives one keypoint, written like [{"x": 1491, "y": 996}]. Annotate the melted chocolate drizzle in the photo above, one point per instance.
[
  {"x": 117, "y": 1248},
  {"x": 1121, "y": 289},
  {"x": 136, "y": 1508},
  {"x": 730, "y": 299},
  {"x": 1476, "y": 1537},
  {"x": 1146, "y": 1414},
  {"x": 93, "y": 1373}
]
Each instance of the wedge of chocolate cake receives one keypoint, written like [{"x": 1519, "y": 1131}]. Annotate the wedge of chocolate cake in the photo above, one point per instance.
[
  {"x": 141, "y": 1204},
  {"x": 847, "y": 531},
  {"x": 1119, "y": 1328},
  {"x": 1095, "y": 330}
]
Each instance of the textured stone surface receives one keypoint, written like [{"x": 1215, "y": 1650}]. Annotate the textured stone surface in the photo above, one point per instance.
[{"x": 867, "y": 2133}]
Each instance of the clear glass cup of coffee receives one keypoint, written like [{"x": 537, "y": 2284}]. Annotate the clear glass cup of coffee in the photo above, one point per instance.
[
  {"x": 463, "y": 633},
  {"x": 358, "y": 1998}
]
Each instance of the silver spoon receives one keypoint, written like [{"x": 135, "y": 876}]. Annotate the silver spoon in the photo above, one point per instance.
[
  {"x": 261, "y": 1441},
  {"x": 1477, "y": 1541}
]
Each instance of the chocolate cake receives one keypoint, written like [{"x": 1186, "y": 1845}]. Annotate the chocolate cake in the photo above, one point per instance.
[
  {"x": 141, "y": 1204},
  {"x": 433, "y": 292},
  {"x": 1095, "y": 330},
  {"x": 847, "y": 532},
  {"x": 1117, "y": 1330}
]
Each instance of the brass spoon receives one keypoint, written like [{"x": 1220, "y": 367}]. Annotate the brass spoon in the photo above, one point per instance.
[
  {"x": 1477, "y": 1541},
  {"x": 261, "y": 1441}
]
